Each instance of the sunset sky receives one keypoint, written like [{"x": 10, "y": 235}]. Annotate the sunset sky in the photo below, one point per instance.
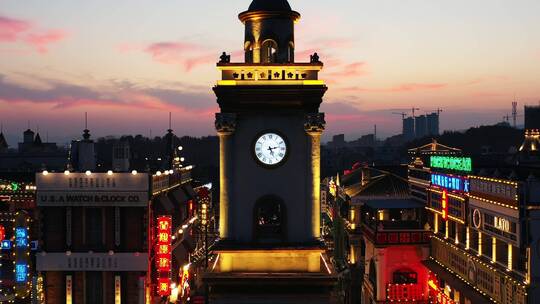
[{"x": 129, "y": 62}]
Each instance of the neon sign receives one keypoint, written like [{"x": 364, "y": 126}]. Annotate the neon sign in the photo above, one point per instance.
[
  {"x": 501, "y": 224},
  {"x": 163, "y": 254},
  {"x": 456, "y": 183},
  {"x": 444, "y": 202},
  {"x": 5, "y": 245},
  {"x": 2, "y": 233},
  {"x": 21, "y": 272},
  {"x": 452, "y": 163},
  {"x": 21, "y": 237}
]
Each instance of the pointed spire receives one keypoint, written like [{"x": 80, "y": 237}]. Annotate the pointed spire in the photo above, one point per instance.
[
  {"x": 37, "y": 140},
  {"x": 3, "y": 142},
  {"x": 86, "y": 132}
]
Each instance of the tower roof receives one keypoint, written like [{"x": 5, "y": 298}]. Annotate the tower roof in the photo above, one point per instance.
[
  {"x": 37, "y": 140},
  {"x": 3, "y": 142},
  {"x": 270, "y": 5},
  {"x": 28, "y": 132}
]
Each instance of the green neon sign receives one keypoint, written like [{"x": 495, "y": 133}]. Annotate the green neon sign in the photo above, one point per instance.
[{"x": 452, "y": 163}]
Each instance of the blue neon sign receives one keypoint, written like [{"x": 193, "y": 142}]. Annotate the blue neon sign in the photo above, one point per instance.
[
  {"x": 21, "y": 273},
  {"x": 5, "y": 245},
  {"x": 456, "y": 183},
  {"x": 21, "y": 237}
]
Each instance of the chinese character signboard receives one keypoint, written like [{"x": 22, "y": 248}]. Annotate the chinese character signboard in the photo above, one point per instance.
[
  {"x": 463, "y": 164},
  {"x": 450, "y": 182},
  {"x": 163, "y": 254}
]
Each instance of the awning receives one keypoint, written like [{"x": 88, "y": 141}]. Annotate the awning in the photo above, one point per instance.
[
  {"x": 166, "y": 203},
  {"x": 456, "y": 283}
]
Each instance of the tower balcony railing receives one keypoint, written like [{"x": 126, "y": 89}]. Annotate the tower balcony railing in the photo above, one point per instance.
[{"x": 270, "y": 74}]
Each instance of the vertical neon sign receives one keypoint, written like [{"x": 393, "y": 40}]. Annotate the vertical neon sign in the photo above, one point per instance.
[
  {"x": 163, "y": 255},
  {"x": 444, "y": 202}
]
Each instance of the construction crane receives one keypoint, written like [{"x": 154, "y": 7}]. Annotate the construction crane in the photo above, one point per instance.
[{"x": 439, "y": 111}]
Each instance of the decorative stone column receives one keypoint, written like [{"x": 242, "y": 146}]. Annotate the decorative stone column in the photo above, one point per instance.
[
  {"x": 314, "y": 125},
  {"x": 225, "y": 126}
]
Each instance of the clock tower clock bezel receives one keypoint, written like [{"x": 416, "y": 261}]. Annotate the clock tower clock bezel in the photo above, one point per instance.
[{"x": 287, "y": 152}]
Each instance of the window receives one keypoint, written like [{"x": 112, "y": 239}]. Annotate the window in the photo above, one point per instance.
[
  {"x": 290, "y": 52},
  {"x": 269, "y": 218},
  {"x": 248, "y": 49},
  {"x": 268, "y": 51},
  {"x": 94, "y": 227},
  {"x": 405, "y": 276}
]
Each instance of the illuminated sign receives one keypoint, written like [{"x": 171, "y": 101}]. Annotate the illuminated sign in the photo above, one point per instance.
[
  {"x": 163, "y": 254},
  {"x": 444, "y": 202},
  {"x": 164, "y": 286},
  {"x": 21, "y": 237},
  {"x": 2, "y": 232},
  {"x": 117, "y": 290},
  {"x": 5, "y": 245},
  {"x": 450, "y": 182},
  {"x": 452, "y": 163},
  {"x": 69, "y": 289},
  {"x": 501, "y": 224},
  {"x": 21, "y": 273}
]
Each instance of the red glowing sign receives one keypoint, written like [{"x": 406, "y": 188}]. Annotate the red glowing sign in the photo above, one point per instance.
[
  {"x": 163, "y": 254},
  {"x": 444, "y": 202},
  {"x": 2, "y": 233},
  {"x": 164, "y": 286}
]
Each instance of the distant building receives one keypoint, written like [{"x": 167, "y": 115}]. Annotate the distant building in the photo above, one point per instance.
[
  {"x": 432, "y": 121},
  {"x": 420, "y": 126},
  {"x": 83, "y": 155},
  {"x": 529, "y": 152},
  {"x": 121, "y": 156},
  {"x": 32, "y": 155},
  {"x": 338, "y": 141},
  {"x": 532, "y": 117},
  {"x": 427, "y": 125},
  {"x": 408, "y": 128}
]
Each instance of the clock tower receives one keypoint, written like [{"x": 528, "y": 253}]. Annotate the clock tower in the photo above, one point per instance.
[{"x": 269, "y": 128}]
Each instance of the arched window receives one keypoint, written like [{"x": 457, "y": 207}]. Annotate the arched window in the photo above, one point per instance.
[
  {"x": 290, "y": 52},
  {"x": 405, "y": 276},
  {"x": 248, "y": 49},
  {"x": 269, "y": 51},
  {"x": 269, "y": 219}
]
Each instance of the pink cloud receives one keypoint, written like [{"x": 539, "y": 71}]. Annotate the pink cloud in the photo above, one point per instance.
[
  {"x": 40, "y": 41},
  {"x": 15, "y": 30},
  {"x": 350, "y": 70},
  {"x": 171, "y": 52},
  {"x": 10, "y": 29},
  {"x": 407, "y": 87}
]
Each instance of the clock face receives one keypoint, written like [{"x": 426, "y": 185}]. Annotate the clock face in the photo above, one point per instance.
[{"x": 270, "y": 149}]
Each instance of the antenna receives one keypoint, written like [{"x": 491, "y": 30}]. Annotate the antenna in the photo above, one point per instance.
[
  {"x": 86, "y": 120},
  {"x": 375, "y": 134},
  {"x": 28, "y": 124},
  {"x": 514, "y": 112},
  {"x": 170, "y": 120}
]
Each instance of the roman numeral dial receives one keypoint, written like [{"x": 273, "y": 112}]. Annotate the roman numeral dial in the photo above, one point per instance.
[{"x": 270, "y": 149}]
